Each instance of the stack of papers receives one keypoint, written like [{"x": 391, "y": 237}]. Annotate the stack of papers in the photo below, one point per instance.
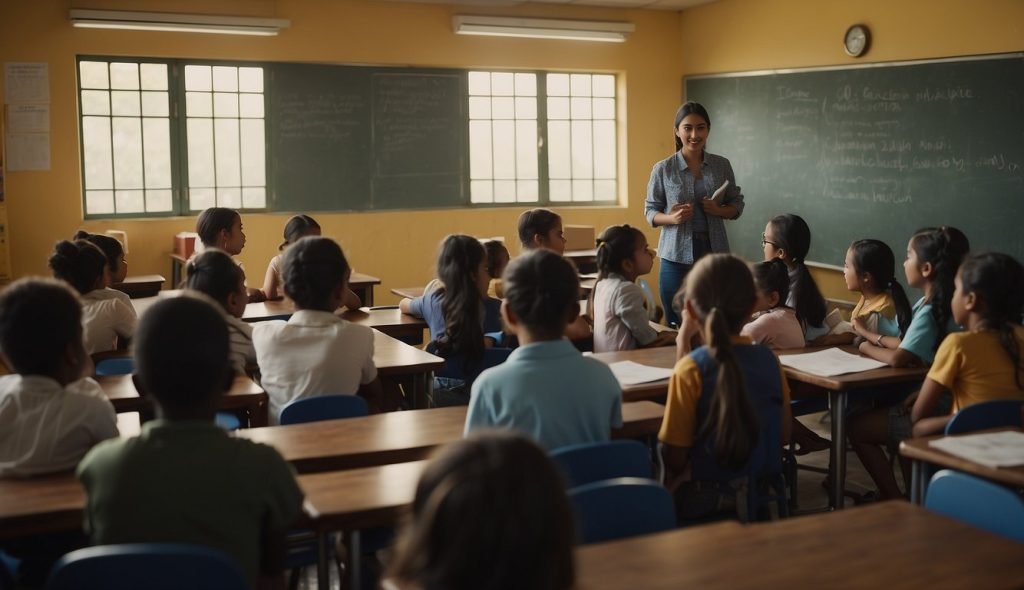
[
  {"x": 830, "y": 362},
  {"x": 630, "y": 373},
  {"x": 992, "y": 449}
]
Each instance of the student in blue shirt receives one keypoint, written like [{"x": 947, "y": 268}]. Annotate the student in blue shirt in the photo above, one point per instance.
[{"x": 546, "y": 388}]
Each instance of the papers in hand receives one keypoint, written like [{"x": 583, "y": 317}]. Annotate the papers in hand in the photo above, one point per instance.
[
  {"x": 719, "y": 195},
  {"x": 992, "y": 449},
  {"x": 630, "y": 373},
  {"x": 829, "y": 362}
]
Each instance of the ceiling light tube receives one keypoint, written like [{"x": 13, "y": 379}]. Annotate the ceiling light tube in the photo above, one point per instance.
[
  {"x": 184, "y": 23},
  {"x": 542, "y": 28}
]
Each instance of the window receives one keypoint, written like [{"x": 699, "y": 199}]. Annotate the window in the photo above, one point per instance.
[
  {"x": 132, "y": 137},
  {"x": 521, "y": 153}
]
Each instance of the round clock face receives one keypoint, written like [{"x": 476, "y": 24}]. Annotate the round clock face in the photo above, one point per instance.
[{"x": 856, "y": 40}]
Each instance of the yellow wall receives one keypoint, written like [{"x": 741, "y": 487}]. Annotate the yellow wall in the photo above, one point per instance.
[
  {"x": 741, "y": 35},
  {"x": 397, "y": 246}
]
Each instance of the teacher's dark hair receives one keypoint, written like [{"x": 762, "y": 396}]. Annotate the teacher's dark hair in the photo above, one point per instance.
[{"x": 689, "y": 108}]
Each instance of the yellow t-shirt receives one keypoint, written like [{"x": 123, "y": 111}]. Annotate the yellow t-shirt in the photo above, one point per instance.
[
  {"x": 679, "y": 426},
  {"x": 976, "y": 368}
]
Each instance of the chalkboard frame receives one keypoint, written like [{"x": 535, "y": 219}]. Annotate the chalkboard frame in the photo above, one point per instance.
[{"x": 830, "y": 264}]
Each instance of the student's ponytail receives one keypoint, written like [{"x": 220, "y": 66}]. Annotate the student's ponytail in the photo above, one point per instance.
[
  {"x": 875, "y": 257},
  {"x": 997, "y": 280},
  {"x": 794, "y": 238},
  {"x": 79, "y": 263},
  {"x": 615, "y": 246},
  {"x": 903, "y": 311},
  {"x": 732, "y": 423},
  {"x": 944, "y": 248}
]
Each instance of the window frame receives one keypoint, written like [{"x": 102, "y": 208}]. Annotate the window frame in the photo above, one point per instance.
[{"x": 178, "y": 133}]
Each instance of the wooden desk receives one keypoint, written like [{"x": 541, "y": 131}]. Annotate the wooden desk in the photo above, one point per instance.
[
  {"x": 398, "y": 437},
  {"x": 662, "y": 356},
  {"x": 243, "y": 395},
  {"x": 389, "y": 320},
  {"x": 408, "y": 292},
  {"x": 178, "y": 262},
  {"x": 585, "y": 260},
  {"x": 362, "y": 285},
  {"x": 397, "y": 361},
  {"x": 891, "y": 544},
  {"x": 838, "y": 389},
  {"x": 140, "y": 286},
  {"x": 919, "y": 451}
]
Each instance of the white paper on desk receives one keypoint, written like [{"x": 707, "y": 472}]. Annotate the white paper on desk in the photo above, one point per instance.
[
  {"x": 829, "y": 362},
  {"x": 992, "y": 449},
  {"x": 630, "y": 373}
]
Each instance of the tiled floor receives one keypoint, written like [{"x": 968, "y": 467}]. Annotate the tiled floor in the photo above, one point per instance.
[{"x": 812, "y": 495}]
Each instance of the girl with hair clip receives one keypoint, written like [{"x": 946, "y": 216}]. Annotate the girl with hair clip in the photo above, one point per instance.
[
  {"x": 221, "y": 228},
  {"x": 215, "y": 275},
  {"x": 727, "y": 413},
  {"x": 458, "y": 314},
  {"x": 775, "y": 324},
  {"x": 104, "y": 318},
  {"x": 984, "y": 362},
  {"x": 883, "y": 309},
  {"x": 616, "y": 304},
  {"x": 298, "y": 227},
  {"x": 490, "y": 513},
  {"x": 933, "y": 256}
]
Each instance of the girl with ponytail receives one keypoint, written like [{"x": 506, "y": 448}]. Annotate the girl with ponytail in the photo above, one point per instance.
[
  {"x": 727, "y": 414},
  {"x": 788, "y": 238},
  {"x": 933, "y": 256},
  {"x": 883, "y": 309}
]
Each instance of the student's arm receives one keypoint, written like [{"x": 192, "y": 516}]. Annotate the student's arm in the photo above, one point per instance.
[
  {"x": 124, "y": 319},
  {"x": 833, "y": 339},
  {"x": 406, "y": 306},
  {"x": 664, "y": 338},
  {"x": 628, "y": 305},
  {"x": 679, "y": 425},
  {"x": 270, "y": 283},
  {"x": 255, "y": 295},
  {"x": 923, "y": 414},
  {"x": 677, "y": 462},
  {"x": 579, "y": 329},
  {"x": 351, "y": 300},
  {"x": 890, "y": 353}
]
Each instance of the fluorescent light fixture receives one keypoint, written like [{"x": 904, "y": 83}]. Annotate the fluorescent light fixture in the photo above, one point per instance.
[
  {"x": 182, "y": 23},
  {"x": 542, "y": 28}
]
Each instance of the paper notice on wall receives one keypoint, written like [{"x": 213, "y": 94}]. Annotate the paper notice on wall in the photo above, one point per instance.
[
  {"x": 28, "y": 151},
  {"x": 27, "y": 82},
  {"x": 28, "y": 118}
]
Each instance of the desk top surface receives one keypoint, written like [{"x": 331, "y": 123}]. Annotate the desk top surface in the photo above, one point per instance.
[
  {"x": 890, "y": 544},
  {"x": 121, "y": 392},
  {"x": 394, "y": 357},
  {"x": 918, "y": 449}
]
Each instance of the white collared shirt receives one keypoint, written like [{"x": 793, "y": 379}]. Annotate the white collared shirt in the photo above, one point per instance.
[
  {"x": 313, "y": 353},
  {"x": 620, "y": 319},
  {"x": 45, "y": 427},
  {"x": 105, "y": 316}
]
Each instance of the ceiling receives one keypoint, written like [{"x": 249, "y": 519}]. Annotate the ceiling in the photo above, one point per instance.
[{"x": 649, "y": 4}]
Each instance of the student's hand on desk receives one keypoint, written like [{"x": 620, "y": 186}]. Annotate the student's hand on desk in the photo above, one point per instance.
[
  {"x": 860, "y": 326},
  {"x": 255, "y": 295},
  {"x": 681, "y": 212}
]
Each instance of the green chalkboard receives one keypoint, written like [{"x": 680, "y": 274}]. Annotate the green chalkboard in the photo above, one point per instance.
[
  {"x": 356, "y": 138},
  {"x": 875, "y": 151}
]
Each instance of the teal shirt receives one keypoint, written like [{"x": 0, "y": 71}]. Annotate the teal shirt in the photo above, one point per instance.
[
  {"x": 551, "y": 392},
  {"x": 922, "y": 334},
  {"x": 189, "y": 482}
]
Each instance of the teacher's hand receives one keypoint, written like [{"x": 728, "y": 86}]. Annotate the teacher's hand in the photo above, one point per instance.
[
  {"x": 681, "y": 212},
  {"x": 712, "y": 208}
]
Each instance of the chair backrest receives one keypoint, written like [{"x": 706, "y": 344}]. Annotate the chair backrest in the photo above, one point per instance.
[
  {"x": 122, "y": 365},
  {"x": 454, "y": 363},
  {"x": 154, "y": 566},
  {"x": 621, "y": 507},
  {"x": 977, "y": 502},
  {"x": 324, "y": 407},
  {"x": 589, "y": 462},
  {"x": 990, "y": 414}
]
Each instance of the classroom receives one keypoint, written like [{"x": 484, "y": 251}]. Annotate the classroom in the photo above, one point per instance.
[{"x": 670, "y": 41}]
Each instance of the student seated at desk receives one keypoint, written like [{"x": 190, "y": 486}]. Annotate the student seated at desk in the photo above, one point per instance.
[
  {"x": 458, "y": 314},
  {"x": 221, "y": 228},
  {"x": 315, "y": 352},
  {"x": 616, "y": 304},
  {"x": 299, "y": 226},
  {"x": 497, "y": 259},
  {"x": 215, "y": 275},
  {"x": 542, "y": 228},
  {"x": 775, "y": 324},
  {"x": 883, "y": 309},
  {"x": 50, "y": 413},
  {"x": 546, "y": 388},
  {"x": 933, "y": 257},
  {"x": 105, "y": 318},
  {"x": 725, "y": 399},
  {"x": 184, "y": 479},
  {"x": 117, "y": 265},
  {"x": 490, "y": 513},
  {"x": 986, "y": 360}
]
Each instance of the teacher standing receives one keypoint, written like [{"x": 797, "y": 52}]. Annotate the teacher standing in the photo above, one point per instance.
[{"x": 679, "y": 200}]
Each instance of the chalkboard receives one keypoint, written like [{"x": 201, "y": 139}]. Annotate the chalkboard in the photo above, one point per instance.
[
  {"x": 357, "y": 138},
  {"x": 875, "y": 152}
]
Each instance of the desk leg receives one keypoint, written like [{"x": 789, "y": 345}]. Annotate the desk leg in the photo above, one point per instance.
[
  {"x": 837, "y": 404},
  {"x": 917, "y": 476},
  {"x": 323, "y": 575},
  {"x": 355, "y": 560}
]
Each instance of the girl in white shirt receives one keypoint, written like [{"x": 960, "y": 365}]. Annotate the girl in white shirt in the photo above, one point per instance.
[
  {"x": 298, "y": 227},
  {"x": 215, "y": 274},
  {"x": 617, "y": 303},
  {"x": 104, "y": 318},
  {"x": 117, "y": 264}
]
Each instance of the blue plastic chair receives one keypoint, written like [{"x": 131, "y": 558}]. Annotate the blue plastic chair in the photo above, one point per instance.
[
  {"x": 122, "y": 365},
  {"x": 621, "y": 507},
  {"x": 8, "y": 567},
  {"x": 154, "y": 566},
  {"x": 324, "y": 407},
  {"x": 991, "y": 414},
  {"x": 589, "y": 462},
  {"x": 977, "y": 502}
]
